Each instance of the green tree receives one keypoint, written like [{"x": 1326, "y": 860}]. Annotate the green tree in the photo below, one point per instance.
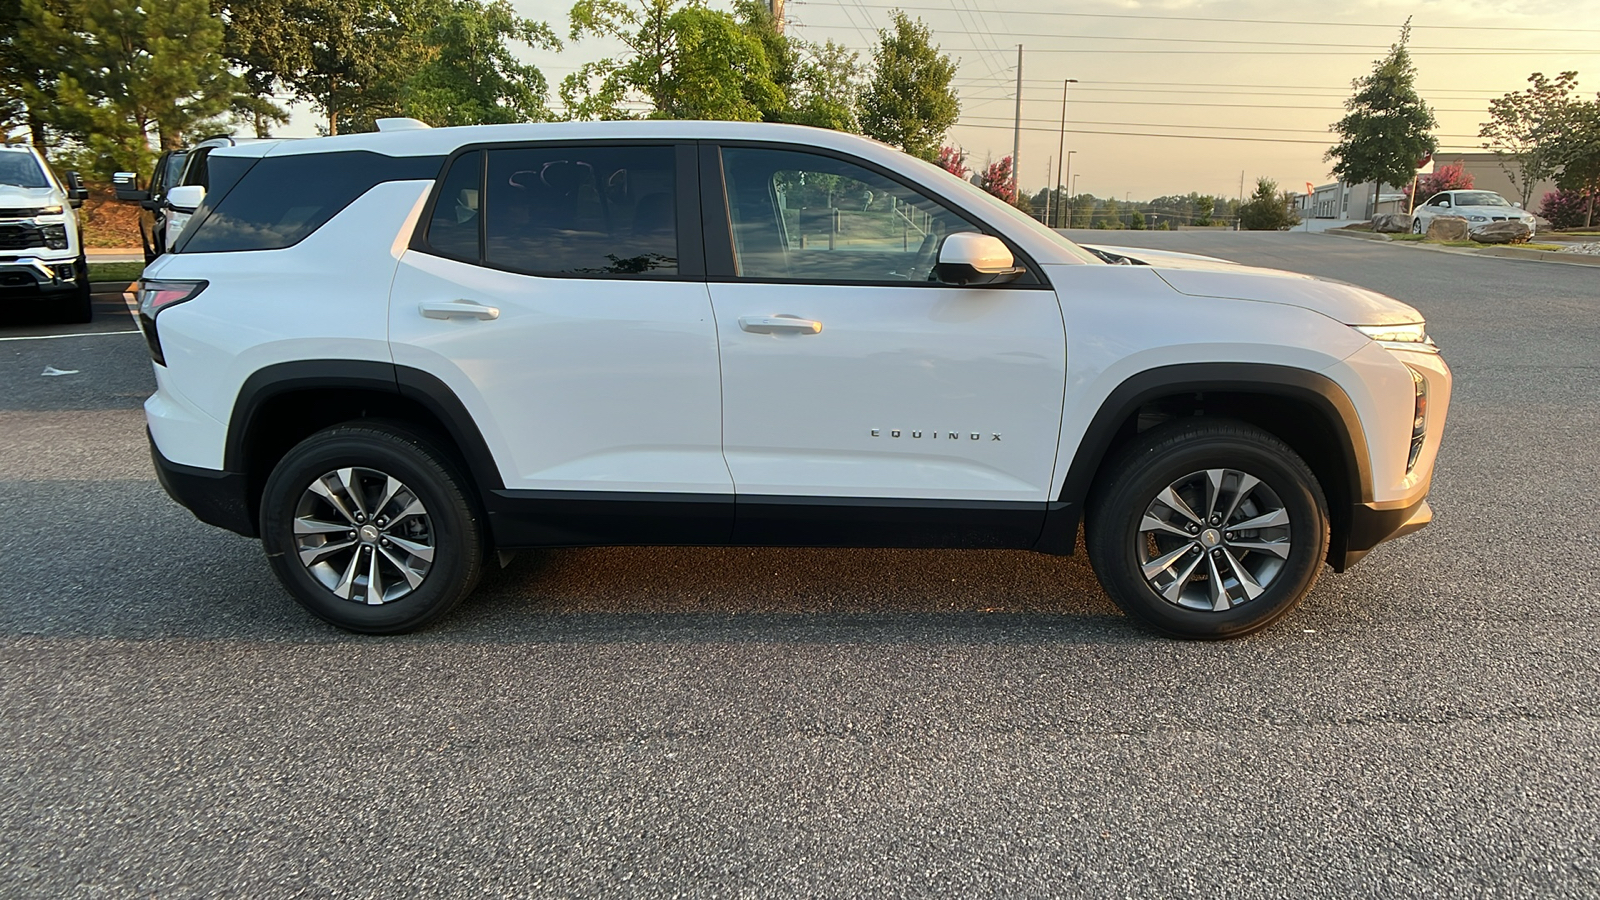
[
  {"x": 1110, "y": 215},
  {"x": 1204, "y": 206},
  {"x": 129, "y": 73},
  {"x": 1519, "y": 127},
  {"x": 1267, "y": 210},
  {"x": 1387, "y": 128},
  {"x": 468, "y": 74},
  {"x": 682, "y": 59},
  {"x": 1574, "y": 139},
  {"x": 262, "y": 39},
  {"x": 908, "y": 103},
  {"x": 1136, "y": 219}
]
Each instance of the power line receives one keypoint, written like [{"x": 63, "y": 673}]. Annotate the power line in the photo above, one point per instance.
[
  {"x": 1152, "y": 18},
  {"x": 1344, "y": 89},
  {"x": 1470, "y": 137},
  {"x": 1198, "y": 137},
  {"x": 1498, "y": 51},
  {"x": 1365, "y": 48},
  {"x": 1223, "y": 105},
  {"x": 1328, "y": 93}
]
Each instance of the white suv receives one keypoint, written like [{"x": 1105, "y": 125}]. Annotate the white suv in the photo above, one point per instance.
[
  {"x": 390, "y": 355},
  {"x": 41, "y": 251}
]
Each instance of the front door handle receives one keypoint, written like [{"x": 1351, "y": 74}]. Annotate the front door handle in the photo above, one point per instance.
[
  {"x": 457, "y": 309},
  {"x": 780, "y": 324}
]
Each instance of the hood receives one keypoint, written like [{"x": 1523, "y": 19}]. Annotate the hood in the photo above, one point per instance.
[
  {"x": 13, "y": 197},
  {"x": 1145, "y": 256},
  {"x": 1504, "y": 212},
  {"x": 1344, "y": 303}
]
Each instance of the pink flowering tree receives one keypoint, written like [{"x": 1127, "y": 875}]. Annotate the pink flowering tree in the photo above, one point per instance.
[
  {"x": 999, "y": 180},
  {"x": 954, "y": 161}
]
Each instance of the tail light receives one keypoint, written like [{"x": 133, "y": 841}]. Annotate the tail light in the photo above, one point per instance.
[{"x": 156, "y": 296}]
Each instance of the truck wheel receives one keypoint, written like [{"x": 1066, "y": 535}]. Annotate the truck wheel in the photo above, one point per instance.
[
  {"x": 79, "y": 305},
  {"x": 372, "y": 528},
  {"x": 1207, "y": 529}
]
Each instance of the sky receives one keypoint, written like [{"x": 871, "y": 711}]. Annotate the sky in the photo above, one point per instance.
[{"x": 1250, "y": 85}]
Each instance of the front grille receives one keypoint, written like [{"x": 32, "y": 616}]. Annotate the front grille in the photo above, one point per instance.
[
  {"x": 20, "y": 213},
  {"x": 20, "y": 237}
]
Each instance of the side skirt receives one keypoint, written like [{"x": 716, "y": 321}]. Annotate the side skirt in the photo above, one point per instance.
[{"x": 528, "y": 519}]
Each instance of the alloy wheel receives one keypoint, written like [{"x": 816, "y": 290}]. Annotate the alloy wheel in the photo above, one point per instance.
[
  {"x": 364, "y": 535},
  {"x": 1213, "y": 539}
]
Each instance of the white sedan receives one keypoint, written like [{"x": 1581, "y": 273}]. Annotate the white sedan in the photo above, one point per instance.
[{"x": 1479, "y": 208}]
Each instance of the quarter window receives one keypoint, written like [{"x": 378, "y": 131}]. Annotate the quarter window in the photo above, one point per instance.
[
  {"x": 605, "y": 211},
  {"x": 805, "y": 217},
  {"x": 453, "y": 230}
]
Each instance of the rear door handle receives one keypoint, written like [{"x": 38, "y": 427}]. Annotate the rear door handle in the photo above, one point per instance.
[
  {"x": 457, "y": 309},
  {"x": 779, "y": 324}
]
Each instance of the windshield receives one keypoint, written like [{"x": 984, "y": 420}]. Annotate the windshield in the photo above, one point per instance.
[
  {"x": 1480, "y": 198},
  {"x": 18, "y": 167}
]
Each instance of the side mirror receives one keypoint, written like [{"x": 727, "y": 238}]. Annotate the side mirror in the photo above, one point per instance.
[
  {"x": 971, "y": 259},
  {"x": 127, "y": 187},
  {"x": 186, "y": 198},
  {"x": 76, "y": 192}
]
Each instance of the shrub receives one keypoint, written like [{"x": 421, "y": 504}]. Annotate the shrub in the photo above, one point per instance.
[
  {"x": 1450, "y": 177},
  {"x": 1565, "y": 209}
]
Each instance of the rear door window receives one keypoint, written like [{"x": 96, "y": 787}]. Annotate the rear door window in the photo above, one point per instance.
[{"x": 598, "y": 211}]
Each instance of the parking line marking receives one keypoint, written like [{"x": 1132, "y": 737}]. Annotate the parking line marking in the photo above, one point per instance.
[{"x": 51, "y": 337}]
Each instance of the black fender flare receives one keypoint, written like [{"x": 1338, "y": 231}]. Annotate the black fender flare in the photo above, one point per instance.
[{"x": 1313, "y": 389}]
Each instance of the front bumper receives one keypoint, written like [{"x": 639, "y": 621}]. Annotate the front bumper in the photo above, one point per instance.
[
  {"x": 217, "y": 498},
  {"x": 1370, "y": 526},
  {"x": 29, "y": 276}
]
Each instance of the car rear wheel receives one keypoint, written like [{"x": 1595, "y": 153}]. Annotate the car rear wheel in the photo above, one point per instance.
[
  {"x": 1416, "y": 225},
  {"x": 1209, "y": 529},
  {"x": 372, "y": 528}
]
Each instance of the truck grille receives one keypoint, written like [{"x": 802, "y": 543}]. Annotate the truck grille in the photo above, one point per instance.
[
  {"x": 20, "y": 237},
  {"x": 19, "y": 212}
]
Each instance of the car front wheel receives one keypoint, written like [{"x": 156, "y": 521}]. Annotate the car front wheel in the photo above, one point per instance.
[
  {"x": 1208, "y": 529},
  {"x": 371, "y": 528},
  {"x": 1416, "y": 225}
]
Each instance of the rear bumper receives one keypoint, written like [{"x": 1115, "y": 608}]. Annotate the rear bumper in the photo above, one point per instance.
[
  {"x": 215, "y": 497},
  {"x": 1370, "y": 527}
]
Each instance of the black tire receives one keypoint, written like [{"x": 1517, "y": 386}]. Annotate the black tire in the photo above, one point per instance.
[
  {"x": 1416, "y": 225},
  {"x": 79, "y": 305},
  {"x": 1179, "y": 453},
  {"x": 450, "y": 527}
]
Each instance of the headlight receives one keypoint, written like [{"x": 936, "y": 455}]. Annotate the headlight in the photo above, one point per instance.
[
  {"x": 1479, "y": 218},
  {"x": 1401, "y": 337},
  {"x": 55, "y": 236},
  {"x": 49, "y": 210},
  {"x": 1419, "y": 418}
]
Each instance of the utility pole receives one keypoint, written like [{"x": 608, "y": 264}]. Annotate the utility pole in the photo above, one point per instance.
[
  {"x": 1062, "y": 150},
  {"x": 1238, "y": 213},
  {"x": 777, "y": 14},
  {"x": 1016, "y": 127},
  {"x": 1049, "y": 189},
  {"x": 1067, "y": 201}
]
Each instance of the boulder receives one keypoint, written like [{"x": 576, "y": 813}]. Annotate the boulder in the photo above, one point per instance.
[
  {"x": 1447, "y": 228},
  {"x": 1391, "y": 223},
  {"x": 1502, "y": 233}
]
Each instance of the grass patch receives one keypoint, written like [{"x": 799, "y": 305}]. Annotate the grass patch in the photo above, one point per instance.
[
  {"x": 115, "y": 271},
  {"x": 1408, "y": 237},
  {"x": 1536, "y": 246}
]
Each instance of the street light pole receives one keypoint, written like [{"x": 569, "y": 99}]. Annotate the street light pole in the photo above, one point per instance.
[
  {"x": 1068, "y": 204},
  {"x": 1061, "y": 151}
]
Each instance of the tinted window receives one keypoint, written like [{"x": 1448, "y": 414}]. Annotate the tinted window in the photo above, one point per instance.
[
  {"x": 195, "y": 170},
  {"x": 453, "y": 230},
  {"x": 600, "y": 210},
  {"x": 279, "y": 200},
  {"x": 802, "y": 217}
]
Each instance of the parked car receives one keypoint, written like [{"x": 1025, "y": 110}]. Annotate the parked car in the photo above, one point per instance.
[
  {"x": 1479, "y": 208},
  {"x": 164, "y": 213},
  {"x": 392, "y": 355},
  {"x": 41, "y": 249}
]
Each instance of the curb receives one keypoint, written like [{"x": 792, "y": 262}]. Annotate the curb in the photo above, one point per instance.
[
  {"x": 110, "y": 287},
  {"x": 1499, "y": 250}
]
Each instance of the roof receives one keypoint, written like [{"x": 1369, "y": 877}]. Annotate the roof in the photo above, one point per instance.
[{"x": 440, "y": 141}]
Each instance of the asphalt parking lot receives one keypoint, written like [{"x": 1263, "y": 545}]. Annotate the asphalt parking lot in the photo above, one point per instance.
[{"x": 787, "y": 723}]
